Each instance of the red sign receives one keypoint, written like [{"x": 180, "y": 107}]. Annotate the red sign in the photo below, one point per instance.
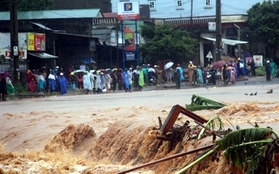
[
  {"x": 21, "y": 54},
  {"x": 128, "y": 17},
  {"x": 129, "y": 39}
]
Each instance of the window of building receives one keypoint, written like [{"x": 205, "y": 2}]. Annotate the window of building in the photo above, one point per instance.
[
  {"x": 179, "y": 4},
  {"x": 152, "y": 5},
  {"x": 208, "y": 4}
]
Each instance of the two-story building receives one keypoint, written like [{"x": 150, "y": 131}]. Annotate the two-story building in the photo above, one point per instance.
[
  {"x": 64, "y": 37},
  {"x": 201, "y": 15}
]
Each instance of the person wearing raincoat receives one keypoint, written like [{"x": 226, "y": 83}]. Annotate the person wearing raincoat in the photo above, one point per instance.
[
  {"x": 86, "y": 82},
  {"x": 52, "y": 82},
  {"x": 30, "y": 79},
  {"x": 95, "y": 81},
  {"x": 158, "y": 72},
  {"x": 10, "y": 87},
  {"x": 141, "y": 79},
  {"x": 273, "y": 68},
  {"x": 200, "y": 76},
  {"x": 191, "y": 74},
  {"x": 107, "y": 79},
  {"x": 177, "y": 77},
  {"x": 63, "y": 84},
  {"x": 41, "y": 83},
  {"x": 126, "y": 80}
]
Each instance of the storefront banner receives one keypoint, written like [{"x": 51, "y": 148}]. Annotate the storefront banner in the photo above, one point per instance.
[{"x": 36, "y": 42}]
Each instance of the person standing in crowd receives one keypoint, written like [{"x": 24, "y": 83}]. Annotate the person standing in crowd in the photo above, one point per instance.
[
  {"x": 86, "y": 82},
  {"x": 3, "y": 87},
  {"x": 158, "y": 72},
  {"x": 242, "y": 68},
  {"x": 224, "y": 74},
  {"x": 238, "y": 67},
  {"x": 136, "y": 78},
  {"x": 41, "y": 82},
  {"x": 130, "y": 74},
  {"x": 10, "y": 87},
  {"x": 113, "y": 76},
  {"x": 52, "y": 81},
  {"x": 102, "y": 80},
  {"x": 80, "y": 81},
  {"x": 94, "y": 81},
  {"x": 30, "y": 79},
  {"x": 107, "y": 79},
  {"x": 63, "y": 84},
  {"x": 72, "y": 79},
  {"x": 200, "y": 76},
  {"x": 177, "y": 77},
  {"x": 120, "y": 80},
  {"x": 191, "y": 73},
  {"x": 169, "y": 74},
  {"x": 181, "y": 72},
  {"x": 36, "y": 74},
  {"x": 252, "y": 67},
  {"x": 232, "y": 76},
  {"x": 268, "y": 70},
  {"x": 126, "y": 80},
  {"x": 141, "y": 79},
  {"x": 273, "y": 68},
  {"x": 145, "y": 71}
]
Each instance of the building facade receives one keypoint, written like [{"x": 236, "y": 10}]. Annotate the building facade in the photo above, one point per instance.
[
  {"x": 200, "y": 15},
  {"x": 187, "y": 8}
]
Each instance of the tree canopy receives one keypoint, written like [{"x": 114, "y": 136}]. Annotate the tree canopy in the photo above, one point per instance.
[
  {"x": 166, "y": 42},
  {"x": 263, "y": 22}
]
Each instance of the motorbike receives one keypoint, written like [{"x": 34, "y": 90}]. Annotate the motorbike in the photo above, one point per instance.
[{"x": 211, "y": 77}]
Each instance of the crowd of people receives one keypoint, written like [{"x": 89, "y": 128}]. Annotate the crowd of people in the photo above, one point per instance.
[
  {"x": 133, "y": 78},
  {"x": 101, "y": 80}
]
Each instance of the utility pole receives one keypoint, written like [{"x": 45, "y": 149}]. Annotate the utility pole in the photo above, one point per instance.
[
  {"x": 218, "y": 44},
  {"x": 191, "y": 12},
  {"x": 14, "y": 40}
]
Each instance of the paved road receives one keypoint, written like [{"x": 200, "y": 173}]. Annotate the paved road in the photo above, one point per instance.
[{"x": 148, "y": 97}]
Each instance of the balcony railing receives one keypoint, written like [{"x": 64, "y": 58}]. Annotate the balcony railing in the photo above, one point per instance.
[{"x": 202, "y": 20}]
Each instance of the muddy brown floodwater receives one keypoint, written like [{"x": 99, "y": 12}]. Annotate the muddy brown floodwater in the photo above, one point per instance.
[{"x": 109, "y": 133}]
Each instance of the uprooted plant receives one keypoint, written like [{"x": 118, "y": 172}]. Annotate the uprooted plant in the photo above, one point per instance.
[{"x": 252, "y": 150}]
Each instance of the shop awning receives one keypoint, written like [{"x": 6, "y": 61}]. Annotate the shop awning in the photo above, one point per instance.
[
  {"x": 43, "y": 55},
  {"x": 227, "y": 41}
]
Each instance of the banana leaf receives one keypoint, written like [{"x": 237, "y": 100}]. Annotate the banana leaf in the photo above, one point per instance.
[{"x": 248, "y": 149}]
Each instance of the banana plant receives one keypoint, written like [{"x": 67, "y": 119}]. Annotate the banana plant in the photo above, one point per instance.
[
  {"x": 212, "y": 124},
  {"x": 247, "y": 149}
]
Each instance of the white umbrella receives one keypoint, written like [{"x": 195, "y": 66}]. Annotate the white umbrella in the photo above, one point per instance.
[
  {"x": 168, "y": 65},
  {"x": 151, "y": 70},
  {"x": 79, "y": 71}
]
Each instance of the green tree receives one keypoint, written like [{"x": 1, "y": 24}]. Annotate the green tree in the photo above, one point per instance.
[
  {"x": 263, "y": 22},
  {"x": 166, "y": 42},
  {"x": 27, "y": 5}
]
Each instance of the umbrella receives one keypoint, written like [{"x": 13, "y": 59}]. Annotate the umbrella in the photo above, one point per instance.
[
  {"x": 219, "y": 64},
  {"x": 78, "y": 71},
  {"x": 87, "y": 60},
  {"x": 114, "y": 69},
  {"x": 102, "y": 70},
  {"x": 168, "y": 65},
  {"x": 151, "y": 70}
]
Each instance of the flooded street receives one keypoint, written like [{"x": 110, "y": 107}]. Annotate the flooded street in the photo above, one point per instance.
[{"x": 107, "y": 133}]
